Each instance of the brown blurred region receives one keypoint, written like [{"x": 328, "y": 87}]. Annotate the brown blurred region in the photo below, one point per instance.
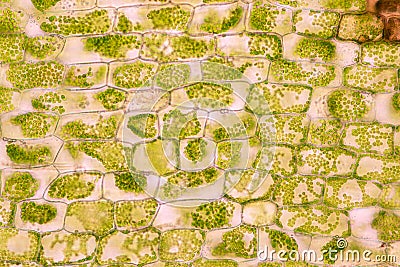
[
  {"x": 389, "y": 11},
  {"x": 392, "y": 29}
]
